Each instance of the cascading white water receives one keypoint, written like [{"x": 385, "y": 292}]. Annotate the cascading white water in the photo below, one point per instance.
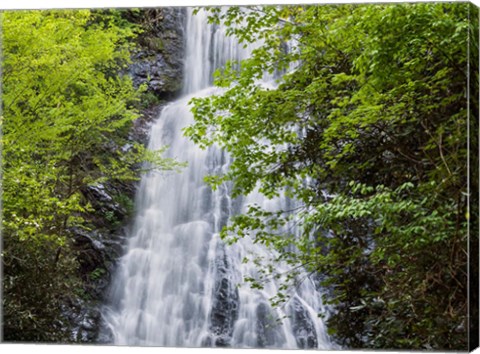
[{"x": 176, "y": 285}]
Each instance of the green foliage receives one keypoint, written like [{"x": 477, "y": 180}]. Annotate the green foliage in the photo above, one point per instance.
[
  {"x": 125, "y": 202},
  {"x": 149, "y": 99},
  {"x": 66, "y": 116},
  {"x": 368, "y": 133},
  {"x": 97, "y": 273}
]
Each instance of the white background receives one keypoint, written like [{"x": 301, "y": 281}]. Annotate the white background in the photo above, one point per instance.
[{"x": 95, "y": 349}]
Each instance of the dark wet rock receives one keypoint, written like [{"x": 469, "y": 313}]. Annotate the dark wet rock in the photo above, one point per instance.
[
  {"x": 157, "y": 62},
  {"x": 141, "y": 126},
  {"x": 97, "y": 251},
  {"x": 90, "y": 250},
  {"x": 91, "y": 239},
  {"x": 102, "y": 201},
  {"x": 303, "y": 326},
  {"x": 206, "y": 342},
  {"x": 96, "y": 255},
  {"x": 266, "y": 325},
  {"x": 225, "y": 301},
  {"x": 225, "y": 209},
  {"x": 105, "y": 335},
  {"x": 85, "y": 320}
]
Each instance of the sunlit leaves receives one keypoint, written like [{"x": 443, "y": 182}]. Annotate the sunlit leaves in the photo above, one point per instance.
[{"x": 67, "y": 110}]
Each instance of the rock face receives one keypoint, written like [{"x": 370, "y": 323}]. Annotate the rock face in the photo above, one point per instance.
[
  {"x": 97, "y": 252},
  {"x": 267, "y": 327},
  {"x": 303, "y": 327},
  {"x": 158, "y": 62},
  {"x": 141, "y": 126},
  {"x": 86, "y": 320},
  {"x": 225, "y": 304}
]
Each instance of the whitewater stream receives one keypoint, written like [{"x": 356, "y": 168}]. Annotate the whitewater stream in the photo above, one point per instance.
[{"x": 177, "y": 283}]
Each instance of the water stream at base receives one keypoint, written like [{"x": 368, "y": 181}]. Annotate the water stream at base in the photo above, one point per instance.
[{"x": 177, "y": 284}]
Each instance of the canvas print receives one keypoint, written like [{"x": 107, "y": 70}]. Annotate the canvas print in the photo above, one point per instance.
[{"x": 283, "y": 177}]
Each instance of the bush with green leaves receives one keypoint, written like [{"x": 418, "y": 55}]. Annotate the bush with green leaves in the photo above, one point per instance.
[
  {"x": 368, "y": 133},
  {"x": 67, "y": 111}
]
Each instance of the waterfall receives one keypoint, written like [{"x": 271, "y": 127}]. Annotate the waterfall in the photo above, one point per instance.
[{"x": 177, "y": 284}]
